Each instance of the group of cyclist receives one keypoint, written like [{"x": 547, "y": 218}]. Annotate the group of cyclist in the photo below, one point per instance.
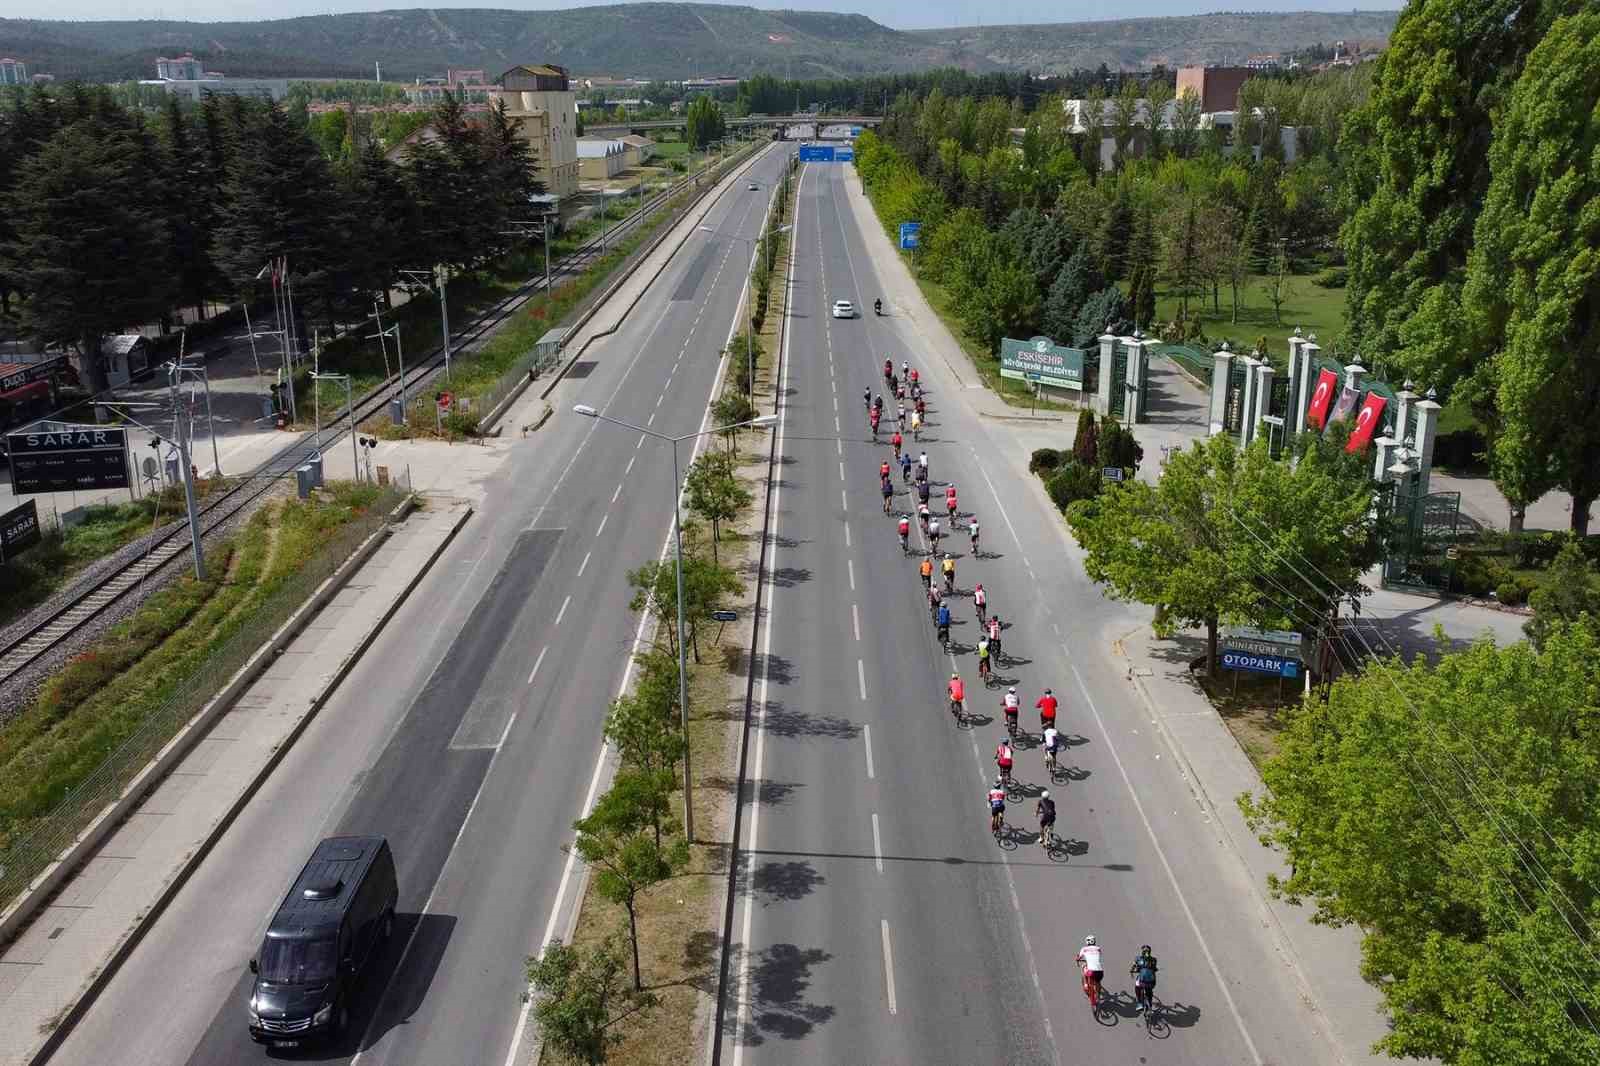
[{"x": 1144, "y": 966}]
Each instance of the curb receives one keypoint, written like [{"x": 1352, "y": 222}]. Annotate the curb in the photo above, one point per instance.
[
  {"x": 1202, "y": 795},
  {"x": 559, "y": 375},
  {"x": 202, "y": 722},
  {"x": 1021, "y": 418}
]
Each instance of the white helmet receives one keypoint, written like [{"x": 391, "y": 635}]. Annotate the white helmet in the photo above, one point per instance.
[
  {"x": 1012, "y": 691},
  {"x": 1044, "y": 795},
  {"x": 1088, "y": 941}
]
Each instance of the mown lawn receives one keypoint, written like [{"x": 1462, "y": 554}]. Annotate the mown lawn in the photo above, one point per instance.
[{"x": 1311, "y": 307}]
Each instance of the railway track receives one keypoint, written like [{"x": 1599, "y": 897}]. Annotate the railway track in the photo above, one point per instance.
[{"x": 41, "y": 639}]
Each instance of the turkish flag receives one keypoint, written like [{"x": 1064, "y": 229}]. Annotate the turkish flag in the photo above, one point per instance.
[
  {"x": 1366, "y": 422},
  {"x": 1321, "y": 396}
]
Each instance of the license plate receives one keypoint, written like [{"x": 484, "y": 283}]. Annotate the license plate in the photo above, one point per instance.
[{"x": 286, "y": 1043}]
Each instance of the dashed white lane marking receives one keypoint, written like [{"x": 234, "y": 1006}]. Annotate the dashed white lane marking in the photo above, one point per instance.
[
  {"x": 651, "y": 420},
  {"x": 855, "y": 621},
  {"x": 614, "y": 495},
  {"x": 585, "y": 564},
  {"x": 866, "y": 731},
  {"x": 563, "y": 612},
  {"x": 838, "y": 445},
  {"x": 888, "y": 965},
  {"x": 537, "y": 663},
  {"x": 637, "y": 446},
  {"x": 861, "y": 678},
  {"x": 850, "y": 568},
  {"x": 844, "y": 505},
  {"x": 841, "y": 469},
  {"x": 877, "y": 843},
  {"x": 847, "y": 534},
  {"x": 629, "y": 470},
  {"x": 602, "y": 529}
]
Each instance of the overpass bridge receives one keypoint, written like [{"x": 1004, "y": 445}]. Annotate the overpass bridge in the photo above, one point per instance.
[{"x": 618, "y": 129}]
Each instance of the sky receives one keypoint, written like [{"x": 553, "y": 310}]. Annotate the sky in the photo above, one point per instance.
[{"x": 900, "y": 14}]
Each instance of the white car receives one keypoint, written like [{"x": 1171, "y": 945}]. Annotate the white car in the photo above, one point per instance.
[
  {"x": 752, "y": 186},
  {"x": 844, "y": 309}
]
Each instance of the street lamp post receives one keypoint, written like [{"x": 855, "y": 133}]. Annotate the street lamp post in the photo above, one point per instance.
[{"x": 677, "y": 539}]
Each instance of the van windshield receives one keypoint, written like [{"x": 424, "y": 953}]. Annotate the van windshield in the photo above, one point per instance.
[{"x": 298, "y": 962}]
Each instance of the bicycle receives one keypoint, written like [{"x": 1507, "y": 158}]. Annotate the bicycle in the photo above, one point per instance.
[
  {"x": 1011, "y": 723},
  {"x": 949, "y": 582},
  {"x": 1047, "y": 836},
  {"x": 1144, "y": 999},
  {"x": 958, "y": 711},
  {"x": 1091, "y": 990},
  {"x": 905, "y": 543},
  {"x": 1050, "y": 764},
  {"x": 944, "y": 638},
  {"x": 997, "y": 825},
  {"x": 983, "y": 669}
]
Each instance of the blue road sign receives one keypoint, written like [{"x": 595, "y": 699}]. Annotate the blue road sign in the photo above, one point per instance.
[
  {"x": 842, "y": 154},
  {"x": 816, "y": 153},
  {"x": 1260, "y": 664},
  {"x": 725, "y": 616},
  {"x": 910, "y": 236}
]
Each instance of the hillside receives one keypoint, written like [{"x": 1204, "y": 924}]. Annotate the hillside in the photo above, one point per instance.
[
  {"x": 1139, "y": 44},
  {"x": 660, "y": 40}
]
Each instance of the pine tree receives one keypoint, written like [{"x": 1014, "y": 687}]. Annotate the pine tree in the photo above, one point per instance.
[
  {"x": 90, "y": 240},
  {"x": 189, "y": 209}
]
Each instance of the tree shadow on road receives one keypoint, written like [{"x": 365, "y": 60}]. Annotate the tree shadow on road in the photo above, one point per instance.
[
  {"x": 783, "y": 722},
  {"x": 779, "y": 978}
]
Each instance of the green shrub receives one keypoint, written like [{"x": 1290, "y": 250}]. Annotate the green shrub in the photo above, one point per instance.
[
  {"x": 1335, "y": 277},
  {"x": 1476, "y": 576},
  {"x": 461, "y": 424},
  {"x": 1044, "y": 460},
  {"x": 1513, "y": 592},
  {"x": 1071, "y": 483}
]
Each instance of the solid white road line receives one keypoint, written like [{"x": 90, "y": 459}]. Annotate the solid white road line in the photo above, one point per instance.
[
  {"x": 1172, "y": 878},
  {"x": 742, "y": 986},
  {"x": 600, "y": 759},
  {"x": 888, "y": 965},
  {"x": 877, "y": 843},
  {"x": 861, "y": 678},
  {"x": 585, "y": 564},
  {"x": 537, "y": 663},
  {"x": 563, "y": 612},
  {"x": 866, "y": 732}
]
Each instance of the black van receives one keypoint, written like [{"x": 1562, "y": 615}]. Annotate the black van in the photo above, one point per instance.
[{"x": 338, "y": 913}]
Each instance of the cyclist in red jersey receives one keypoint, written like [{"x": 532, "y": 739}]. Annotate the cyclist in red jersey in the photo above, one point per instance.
[{"x": 1047, "y": 709}]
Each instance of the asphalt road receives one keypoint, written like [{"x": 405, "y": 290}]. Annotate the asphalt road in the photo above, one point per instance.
[
  {"x": 879, "y": 921},
  {"x": 470, "y": 734}
]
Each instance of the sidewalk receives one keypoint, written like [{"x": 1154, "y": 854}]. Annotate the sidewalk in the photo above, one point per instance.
[
  {"x": 75, "y": 943},
  {"x": 1327, "y": 960}
]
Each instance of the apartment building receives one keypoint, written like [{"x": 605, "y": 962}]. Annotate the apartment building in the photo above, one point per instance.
[
  {"x": 184, "y": 68},
  {"x": 541, "y": 105},
  {"x": 13, "y": 72}
]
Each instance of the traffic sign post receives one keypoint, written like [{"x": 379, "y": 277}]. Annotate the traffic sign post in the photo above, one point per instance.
[{"x": 1111, "y": 473}]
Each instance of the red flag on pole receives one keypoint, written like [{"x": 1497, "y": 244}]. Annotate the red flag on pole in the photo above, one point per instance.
[
  {"x": 1317, "y": 413},
  {"x": 1366, "y": 422}
]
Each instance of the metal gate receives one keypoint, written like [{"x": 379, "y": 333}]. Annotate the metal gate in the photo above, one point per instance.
[
  {"x": 1420, "y": 541},
  {"x": 1119, "y": 380}
]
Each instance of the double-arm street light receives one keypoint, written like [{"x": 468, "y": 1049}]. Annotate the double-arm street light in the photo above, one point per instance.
[
  {"x": 677, "y": 539},
  {"x": 749, "y": 321}
]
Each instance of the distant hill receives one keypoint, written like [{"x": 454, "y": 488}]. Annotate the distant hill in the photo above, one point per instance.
[
  {"x": 1139, "y": 44},
  {"x": 653, "y": 40}
]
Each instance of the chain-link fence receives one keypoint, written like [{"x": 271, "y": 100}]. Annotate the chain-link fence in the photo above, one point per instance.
[{"x": 26, "y": 856}]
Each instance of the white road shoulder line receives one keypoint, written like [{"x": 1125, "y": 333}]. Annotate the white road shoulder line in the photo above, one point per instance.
[{"x": 1172, "y": 878}]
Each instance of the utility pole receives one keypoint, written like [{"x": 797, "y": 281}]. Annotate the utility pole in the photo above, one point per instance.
[{"x": 188, "y": 477}]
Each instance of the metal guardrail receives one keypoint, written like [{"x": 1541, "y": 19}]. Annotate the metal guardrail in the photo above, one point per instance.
[{"x": 25, "y": 857}]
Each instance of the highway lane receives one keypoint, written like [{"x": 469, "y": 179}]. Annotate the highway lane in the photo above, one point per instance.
[
  {"x": 964, "y": 928},
  {"x": 485, "y": 697}
]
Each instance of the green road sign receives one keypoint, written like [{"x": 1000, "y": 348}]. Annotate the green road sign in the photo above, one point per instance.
[{"x": 1043, "y": 361}]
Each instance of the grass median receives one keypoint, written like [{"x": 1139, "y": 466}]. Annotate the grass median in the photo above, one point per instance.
[{"x": 101, "y": 717}]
